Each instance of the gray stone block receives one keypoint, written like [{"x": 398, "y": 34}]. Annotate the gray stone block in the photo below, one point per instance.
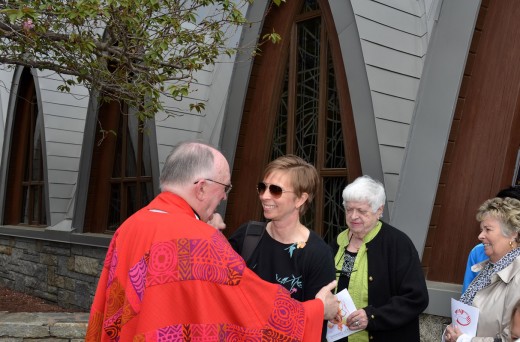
[
  {"x": 86, "y": 265},
  {"x": 26, "y": 330},
  {"x": 68, "y": 330}
]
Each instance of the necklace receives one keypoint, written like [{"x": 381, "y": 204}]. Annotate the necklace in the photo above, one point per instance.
[
  {"x": 296, "y": 238},
  {"x": 351, "y": 245}
]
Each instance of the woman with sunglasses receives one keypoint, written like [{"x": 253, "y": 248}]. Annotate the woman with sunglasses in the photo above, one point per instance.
[
  {"x": 288, "y": 253},
  {"x": 380, "y": 267}
]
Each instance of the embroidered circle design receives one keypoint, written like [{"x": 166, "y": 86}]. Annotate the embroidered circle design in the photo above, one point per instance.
[
  {"x": 163, "y": 258},
  {"x": 462, "y": 317},
  {"x": 284, "y": 317}
]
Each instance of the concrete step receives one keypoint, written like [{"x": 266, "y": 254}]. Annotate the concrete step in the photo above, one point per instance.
[{"x": 43, "y": 326}]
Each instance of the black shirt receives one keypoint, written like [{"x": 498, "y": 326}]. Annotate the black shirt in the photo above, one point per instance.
[{"x": 302, "y": 270}]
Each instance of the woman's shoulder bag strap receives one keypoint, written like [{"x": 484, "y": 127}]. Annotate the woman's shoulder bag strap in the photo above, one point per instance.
[{"x": 254, "y": 232}]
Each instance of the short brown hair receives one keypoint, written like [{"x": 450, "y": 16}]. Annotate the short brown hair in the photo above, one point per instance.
[{"x": 304, "y": 177}]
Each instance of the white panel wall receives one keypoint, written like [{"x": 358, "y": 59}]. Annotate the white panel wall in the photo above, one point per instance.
[
  {"x": 398, "y": 14},
  {"x": 211, "y": 88},
  {"x": 394, "y": 40},
  {"x": 393, "y": 108},
  {"x": 64, "y": 121},
  {"x": 384, "y": 58}
]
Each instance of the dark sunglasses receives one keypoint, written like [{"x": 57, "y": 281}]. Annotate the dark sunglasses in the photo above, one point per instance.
[{"x": 275, "y": 190}]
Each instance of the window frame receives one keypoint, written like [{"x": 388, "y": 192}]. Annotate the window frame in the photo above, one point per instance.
[
  {"x": 25, "y": 84},
  {"x": 82, "y": 211}
]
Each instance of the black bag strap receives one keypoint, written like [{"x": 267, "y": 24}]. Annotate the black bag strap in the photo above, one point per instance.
[{"x": 254, "y": 232}]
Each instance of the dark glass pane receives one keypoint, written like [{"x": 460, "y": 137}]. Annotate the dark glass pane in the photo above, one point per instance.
[
  {"x": 333, "y": 211},
  {"x": 28, "y": 142},
  {"x": 146, "y": 193},
  {"x": 36, "y": 204},
  {"x": 310, "y": 5},
  {"x": 280, "y": 129},
  {"x": 118, "y": 153},
  {"x": 309, "y": 217},
  {"x": 42, "y": 211},
  {"x": 146, "y": 158},
  {"x": 24, "y": 217},
  {"x": 114, "y": 211},
  {"x": 133, "y": 134},
  {"x": 307, "y": 89},
  {"x": 131, "y": 141},
  {"x": 33, "y": 205},
  {"x": 37, "y": 162},
  {"x": 132, "y": 200},
  {"x": 334, "y": 148}
]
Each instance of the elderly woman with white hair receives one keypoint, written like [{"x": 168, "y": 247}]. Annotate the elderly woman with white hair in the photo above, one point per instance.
[{"x": 380, "y": 267}]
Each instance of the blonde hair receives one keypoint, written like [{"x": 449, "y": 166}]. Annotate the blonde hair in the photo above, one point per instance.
[{"x": 506, "y": 210}]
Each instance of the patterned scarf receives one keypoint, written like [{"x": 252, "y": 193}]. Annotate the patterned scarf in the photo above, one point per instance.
[{"x": 483, "y": 279}]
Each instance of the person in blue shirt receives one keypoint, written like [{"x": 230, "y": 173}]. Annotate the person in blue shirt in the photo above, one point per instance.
[{"x": 477, "y": 255}]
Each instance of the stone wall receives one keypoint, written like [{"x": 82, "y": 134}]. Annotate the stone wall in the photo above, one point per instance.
[{"x": 63, "y": 273}]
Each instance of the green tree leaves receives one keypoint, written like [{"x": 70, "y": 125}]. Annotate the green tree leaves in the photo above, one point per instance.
[{"x": 134, "y": 51}]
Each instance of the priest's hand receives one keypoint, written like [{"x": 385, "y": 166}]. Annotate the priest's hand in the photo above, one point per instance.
[
  {"x": 216, "y": 221},
  {"x": 330, "y": 301}
]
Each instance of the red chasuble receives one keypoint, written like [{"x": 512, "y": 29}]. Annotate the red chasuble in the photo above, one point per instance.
[{"x": 170, "y": 277}]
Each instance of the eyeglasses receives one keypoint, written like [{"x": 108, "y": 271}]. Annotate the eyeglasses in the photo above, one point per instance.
[
  {"x": 227, "y": 187},
  {"x": 275, "y": 190}
]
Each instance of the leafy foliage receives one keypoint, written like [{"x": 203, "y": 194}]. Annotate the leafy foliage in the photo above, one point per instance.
[{"x": 127, "y": 50}]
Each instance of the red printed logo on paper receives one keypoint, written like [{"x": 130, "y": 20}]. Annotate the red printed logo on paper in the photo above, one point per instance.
[{"x": 462, "y": 317}]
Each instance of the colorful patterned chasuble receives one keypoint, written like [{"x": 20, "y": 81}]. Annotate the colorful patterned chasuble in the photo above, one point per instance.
[{"x": 170, "y": 277}]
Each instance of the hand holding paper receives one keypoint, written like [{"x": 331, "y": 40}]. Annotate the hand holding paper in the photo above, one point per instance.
[
  {"x": 464, "y": 317},
  {"x": 339, "y": 329}
]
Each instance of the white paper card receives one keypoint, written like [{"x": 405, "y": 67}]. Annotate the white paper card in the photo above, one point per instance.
[
  {"x": 465, "y": 316},
  {"x": 340, "y": 330}
]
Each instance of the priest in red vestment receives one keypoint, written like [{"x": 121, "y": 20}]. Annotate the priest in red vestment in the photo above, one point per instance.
[{"x": 169, "y": 276}]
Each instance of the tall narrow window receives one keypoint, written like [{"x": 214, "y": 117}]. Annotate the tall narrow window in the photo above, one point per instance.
[
  {"x": 309, "y": 120},
  {"x": 25, "y": 202},
  {"x": 121, "y": 177}
]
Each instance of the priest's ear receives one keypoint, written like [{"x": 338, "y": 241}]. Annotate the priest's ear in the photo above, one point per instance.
[{"x": 200, "y": 189}]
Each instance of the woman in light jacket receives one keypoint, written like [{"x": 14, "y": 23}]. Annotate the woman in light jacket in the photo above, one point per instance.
[{"x": 496, "y": 289}]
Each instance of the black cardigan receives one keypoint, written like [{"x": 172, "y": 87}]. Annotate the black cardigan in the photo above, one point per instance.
[{"x": 397, "y": 291}]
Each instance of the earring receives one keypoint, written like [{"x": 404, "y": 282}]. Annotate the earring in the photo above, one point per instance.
[{"x": 511, "y": 244}]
